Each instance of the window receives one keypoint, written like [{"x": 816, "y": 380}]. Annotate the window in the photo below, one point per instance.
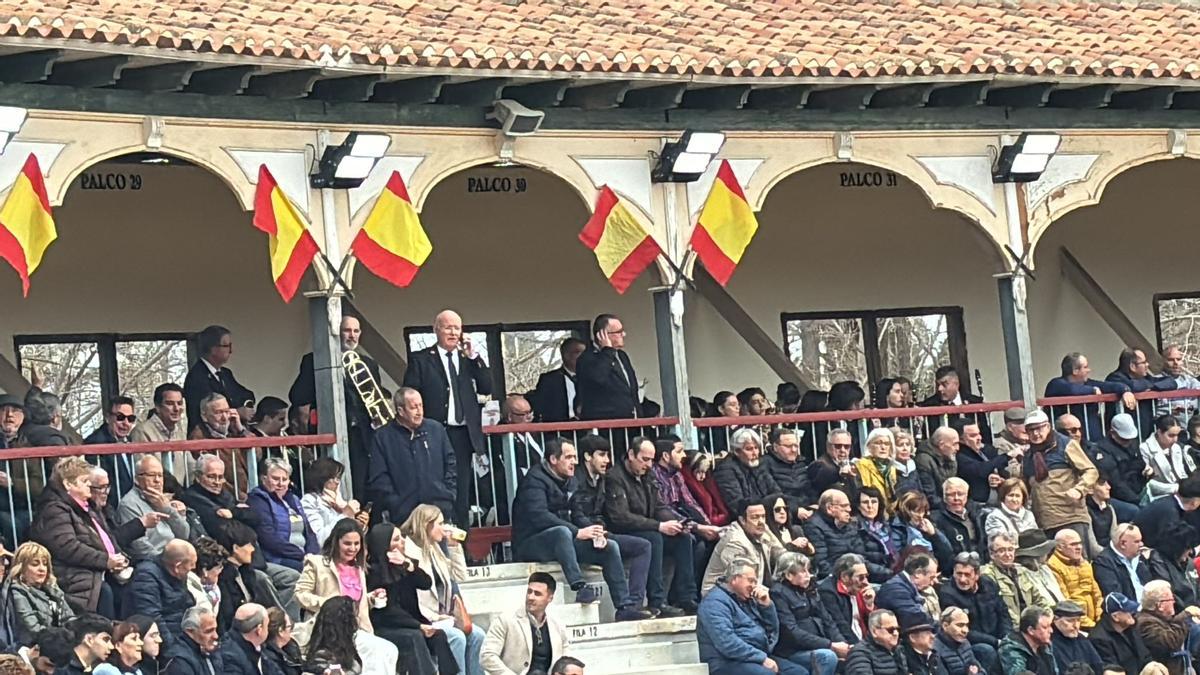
[
  {"x": 516, "y": 353},
  {"x": 867, "y": 346},
  {"x": 87, "y": 370},
  {"x": 1177, "y": 322}
]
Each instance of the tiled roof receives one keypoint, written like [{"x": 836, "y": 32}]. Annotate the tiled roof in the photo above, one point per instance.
[{"x": 734, "y": 38}]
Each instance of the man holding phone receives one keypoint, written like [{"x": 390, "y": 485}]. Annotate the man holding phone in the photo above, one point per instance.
[{"x": 607, "y": 386}]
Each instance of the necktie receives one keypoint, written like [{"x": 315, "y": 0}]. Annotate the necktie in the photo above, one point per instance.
[{"x": 459, "y": 415}]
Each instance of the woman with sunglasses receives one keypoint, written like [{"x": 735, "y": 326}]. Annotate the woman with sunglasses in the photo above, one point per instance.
[
  {"x": 779, "y": 522},
  {"x": 808, "y": 635}
]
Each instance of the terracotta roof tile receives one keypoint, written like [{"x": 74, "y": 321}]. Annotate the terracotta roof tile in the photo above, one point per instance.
[{"x": 721, "y": 37}]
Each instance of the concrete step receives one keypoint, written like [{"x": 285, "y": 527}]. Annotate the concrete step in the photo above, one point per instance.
[
  {"x": 620, "y": 656},
  {"x": 673, "y": 669},
  {"x": 684, "y": 626},
  {"x": 501, "y": 588}
]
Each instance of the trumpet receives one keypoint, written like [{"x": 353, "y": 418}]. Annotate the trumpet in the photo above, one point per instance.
[{"x": 377, "y": 405}]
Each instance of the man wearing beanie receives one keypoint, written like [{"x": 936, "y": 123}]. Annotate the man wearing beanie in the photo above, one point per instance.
[
  {"x": 1068, "y": 643},
  {"x": 1115, "y": 639}
]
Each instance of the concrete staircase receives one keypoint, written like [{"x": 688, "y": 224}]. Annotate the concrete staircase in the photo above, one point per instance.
[{"x": 629, "y": 648}]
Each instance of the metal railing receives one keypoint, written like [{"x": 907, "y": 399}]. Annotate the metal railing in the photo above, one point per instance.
[
  {"x": 29, "y": 469},
  {"x": 1096, "y": 411}
]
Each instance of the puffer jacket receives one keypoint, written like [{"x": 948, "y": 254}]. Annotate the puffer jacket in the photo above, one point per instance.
[
  {"x": 80, "y": 559},
  {"x": 1069, "y": 469},
  {"x": 738, "y": 482},
  {"x": 956, "y": 657},
  {"x": 1078, "y": 583},
  {"x": 541, "y": 503},
  {"x": 792, "y": 478},
  {"x": 830, "y": 542},
  {"x": 157, "y": 594},
  {"x": 990, "y": 618},
  {"x": 918, "y": 664},
  {"x": 870, "y": 658},
  {"x": 275, "y": 528},
  {"x": 184, "y": 657},
  {"x": 934, "y": 470},
  {"x": 730, "y": 631},
  {"x": 804, "y": 622},
  {"x": 1017, "y": 595},
  {"x": 1017, "y": 657},
  {"x": 35, "y": 608},
  {"x": 631, "y": 502}
]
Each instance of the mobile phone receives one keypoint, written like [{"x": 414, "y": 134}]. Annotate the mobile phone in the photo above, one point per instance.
[{"x": 368, "y": 506}]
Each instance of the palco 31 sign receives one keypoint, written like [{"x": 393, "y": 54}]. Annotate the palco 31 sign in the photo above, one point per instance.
[{"x": 867, "y": 179}]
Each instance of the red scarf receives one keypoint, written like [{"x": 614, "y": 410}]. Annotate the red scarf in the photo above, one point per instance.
[{"x": 857, "y": 599}]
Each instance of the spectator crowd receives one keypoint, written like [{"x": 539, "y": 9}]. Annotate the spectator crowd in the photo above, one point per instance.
[{"x": 904, "y": 542}]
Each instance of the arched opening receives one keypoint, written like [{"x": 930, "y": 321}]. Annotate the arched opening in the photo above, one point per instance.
[
  {"x": 858, "y": 277},
  {"x": 1137, "y": 243},
  {"x": 151, "y": 248},
  {"x": 507, "y": 257}
]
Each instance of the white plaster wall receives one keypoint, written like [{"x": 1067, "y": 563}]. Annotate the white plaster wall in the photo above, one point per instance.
[
  {"x": 174, "y": 256},
  {"x": 1141, "y": 239}
]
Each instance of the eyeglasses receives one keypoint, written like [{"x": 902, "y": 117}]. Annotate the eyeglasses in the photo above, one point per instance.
[
  {"x": 151, "y": 475},
  {"x": 780, "y": 509},
  {"x": 124, "y": 418},
  {"x": 1072, "y": 430},
  {"x": 842, "y": 446},
  {"x": 101, "y": 488},
  {"x": 967, "y": 558},
  {"x": 891, "y": 630}
]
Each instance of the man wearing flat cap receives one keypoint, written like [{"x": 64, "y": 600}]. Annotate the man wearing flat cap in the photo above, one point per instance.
[
  {"x": 1068, "y": 643},
  {"x": 12, "y": 415},
  {"x": 918, "y": 650},
  {"x": 1060, "y": 477}
]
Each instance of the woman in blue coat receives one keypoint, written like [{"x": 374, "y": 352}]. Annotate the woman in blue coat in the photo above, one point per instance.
[{"x": 283, "y": 532}]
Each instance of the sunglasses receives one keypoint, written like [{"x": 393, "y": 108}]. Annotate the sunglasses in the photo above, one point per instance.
[
  {"x": 780, "y": 509},
  {"x": 892, "y": 630},
  {"x": 842, "y": 446},
  {"x": 124, "y": 418}
]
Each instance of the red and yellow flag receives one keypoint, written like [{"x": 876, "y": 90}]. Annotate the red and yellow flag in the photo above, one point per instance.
[
  {"x": 726, "y": 226},
  {"x": 26, "y": 224},
  {"x": 623, "y": 246},
  {"x": 292, "y": 245},
  {"x": 392, "y": 243}
]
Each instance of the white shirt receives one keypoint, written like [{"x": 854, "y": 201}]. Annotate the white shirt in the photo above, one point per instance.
[
  {"x": 212, "y": 370},
  {"x": 451, "y": 407}
]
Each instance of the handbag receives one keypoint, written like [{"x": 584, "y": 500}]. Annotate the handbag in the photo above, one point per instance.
[{"x": 462, "y": 618}]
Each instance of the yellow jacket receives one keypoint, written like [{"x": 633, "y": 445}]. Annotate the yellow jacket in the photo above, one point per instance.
[
  {"x": 870, "y": 476},
  {"x": 1078, "y": 583}
]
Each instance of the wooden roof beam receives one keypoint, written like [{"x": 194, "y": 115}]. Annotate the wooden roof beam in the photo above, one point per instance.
[
  {"x": 229, "y": 81},
  {"x": 1150, "y": 98},
  {"x": 416, "y": 90},
  {"x": 28, "y": 67},
  {"x": 852, "y": 97},
  {"x": 161, "y": 78},
  {"x": 596, "y": 96},
  {"x": 662, "y": 97},
  {"x": 353, "y": 89},
  {"x": 1082, "y": 98},
  {"x": 98, "y": 72},
  {"x": 789, "y": 97},
  {"x": 904, "y": 96},
  {"x": 285, "y": 84},
  {"x": 548, "y": 94},
  {"x": 475, "y": 94},
  {"x": 959, "y": 95}
]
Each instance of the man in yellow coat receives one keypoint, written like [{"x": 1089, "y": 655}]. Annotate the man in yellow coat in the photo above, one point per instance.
[{"x": 1075, "y": 576}]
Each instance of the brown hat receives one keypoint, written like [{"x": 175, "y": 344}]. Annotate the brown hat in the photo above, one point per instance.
[{"x": 1015, "y": 415}]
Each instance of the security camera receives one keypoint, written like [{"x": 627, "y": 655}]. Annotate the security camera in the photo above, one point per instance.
[{"x": 515, "y": 119}]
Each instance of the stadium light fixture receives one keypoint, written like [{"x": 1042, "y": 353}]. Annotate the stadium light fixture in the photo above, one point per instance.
[
  {"x": 347, "y": 165},
  {"x": 685, "y": 160},
  {"x": 1025, "y": 160},
  {"x": 11, "y": 120}
]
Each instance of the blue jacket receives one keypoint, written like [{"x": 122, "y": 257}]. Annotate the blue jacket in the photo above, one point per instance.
[
  {"x": 1074, "y": 650},
  {"x": 157, "y": 594},
  {"x": 118, "y": 467},
  {"x": 1088, "y": 412},
  {"x": 182, "y": 656},
  {"x": 275, "y": 528},
  {"x": 241, "y": 658},
  {"x": 901, "y": 596},
  {"x": 731, "y": 631},
  {"x": 541, "y": 503},
  {"x": 956, "y": 657},
  {"x": 410, "y": 468}
]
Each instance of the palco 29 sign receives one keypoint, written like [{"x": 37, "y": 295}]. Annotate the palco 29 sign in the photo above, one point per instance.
[
  {"x": 507, "y": 184},
  {"x": 110, "y": 181},
  {"x": 867, "y": 179}
]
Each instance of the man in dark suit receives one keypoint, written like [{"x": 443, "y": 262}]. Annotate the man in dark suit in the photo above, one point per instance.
[
  {"x": 607, "y": 386},
  {"x": 304, "y": 394},
  {"x": 949, "y": 393},
  {"x": 554, "y": 397},
  {"x": 209, "y": 375},
  {"x": 118, "y": 424},
  {"x": 450, "y": 377}
]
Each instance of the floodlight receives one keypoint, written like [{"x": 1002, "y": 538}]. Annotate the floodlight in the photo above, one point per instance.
[
  {"x": 347, "y": 165},
  {"x": 1025, "y": 160},
  {"x": 12, "y": 119},
  {"x": 685, "y": 160}
]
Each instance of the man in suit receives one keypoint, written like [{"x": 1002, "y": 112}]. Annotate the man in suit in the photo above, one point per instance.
[
  {"x": 358, "y": 420},
  {"x": 118, "y": 425},
  {"x": 208, "y": 375},
  {"x": 554, "y": 397},
  {"x": 528, "y": 640},
  {"x": 607, "y": 386},
  {"x": 450, "y": 377},
  {"x": 949, "y": 393}
]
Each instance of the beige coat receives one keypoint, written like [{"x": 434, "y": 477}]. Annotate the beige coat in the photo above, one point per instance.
[
  {"x": 734, "y": 544},
  {"x": 319, "y": 582},
  {"x": 456, "y": 571},
  {"x": 508, "y": 647},
  {"x": 1050, "y": 502}
]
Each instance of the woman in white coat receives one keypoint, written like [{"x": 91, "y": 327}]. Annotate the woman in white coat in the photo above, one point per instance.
[{"x": 1166, "y": 458}]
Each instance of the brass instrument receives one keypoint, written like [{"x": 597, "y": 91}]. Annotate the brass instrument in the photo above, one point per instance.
[{"x": 377, "y": 405}]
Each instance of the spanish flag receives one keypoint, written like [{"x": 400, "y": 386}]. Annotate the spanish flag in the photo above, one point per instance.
[
  {"x": 292, "y": 245},
  {"x": 392, "y": 243},
  {"x": 623, "y": 246},
  {"x": 726, "y": 226},
  {"x": 26, "y": 225}
]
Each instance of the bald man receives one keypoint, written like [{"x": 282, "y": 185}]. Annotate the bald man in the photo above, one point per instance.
[
  {"x": 159, "y": 588},
  {"x": 452, "y": 377},
  {"x": 241, "y": 649},
  {"x": 303, "y": 394},
  {"x": 147, "y": 496},
  {"x": 1075, "y": 576}
]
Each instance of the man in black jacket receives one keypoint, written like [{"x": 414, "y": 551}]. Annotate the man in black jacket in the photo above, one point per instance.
[
  {"x": 959, "y": 520},
  {"x": 1157, "y": 518},
  {"x": 451, "y": 377},
  {"x": 949, "y": 392},
  {"x": 543, "y": 532},
  {"x": 631, "y": 506},
  {"x": 607, "y": 385},
  {"x": 241, "y": 651},
  {"x": 1114, "y": 636},
  {"x": 196, "y": 652},
  {"x": 413, "y": 463},
  {"x": 303, "y": 394},
  {"x": 1111, "y": 567},
  {"x": 787, "y": 468},
  {"x": 1133, "y": 371},
  {"x": 841, "y": 592},
  {"x": 554, "y": 396},
  {"x": 208, "y": 375},
  {"x": 978, "y": 463},
  {"x": 878, "y": 653},
  {"x": 743, "y": 477},
  {"x": 159, "y": 588},
  {"x": 92, "y": 635},
  {"x": 833, "y": 534},
  {"x": 1117, "y": 456},
  {"x": 980, "y": 597}
]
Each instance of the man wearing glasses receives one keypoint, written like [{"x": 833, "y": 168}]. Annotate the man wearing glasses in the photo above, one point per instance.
[
  {"x": 878, "y": 654},
  {"x": 607, "y": 385},
  {"x": 208, "y": 375},
  {"x": 118, "y": 424}
]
